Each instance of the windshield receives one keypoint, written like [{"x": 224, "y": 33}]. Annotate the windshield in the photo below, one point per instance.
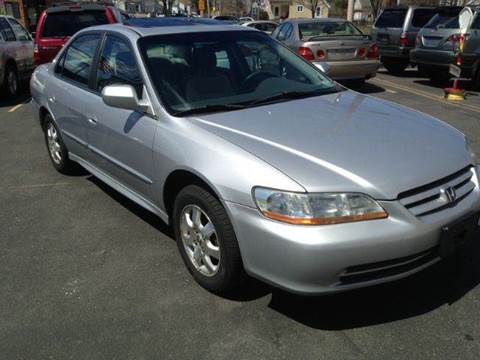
[
  {"x": 391, "y": 18},
  {"x": 211, "y": 71},
  {"x": 447, "y": 19},
  {"x": 330, "y": 28},
  {"x": 65, "y": 24}
]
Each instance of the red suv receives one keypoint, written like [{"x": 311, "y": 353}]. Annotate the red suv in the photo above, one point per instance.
[{"x": 57, "y": 24}]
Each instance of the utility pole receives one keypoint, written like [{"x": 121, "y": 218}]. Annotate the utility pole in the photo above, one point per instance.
[
  {"x": 350, "y": 10},
  {"x": 208, "y": 8}
]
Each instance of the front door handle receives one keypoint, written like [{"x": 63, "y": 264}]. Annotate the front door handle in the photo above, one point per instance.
[{"x": 93, "y": 120}]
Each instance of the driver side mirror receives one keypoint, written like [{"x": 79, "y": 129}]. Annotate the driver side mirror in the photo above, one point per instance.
[{"x": 124, "y": 97}]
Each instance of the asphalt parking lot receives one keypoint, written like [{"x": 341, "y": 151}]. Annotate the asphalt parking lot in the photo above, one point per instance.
[{"x": 87, "y": 274}]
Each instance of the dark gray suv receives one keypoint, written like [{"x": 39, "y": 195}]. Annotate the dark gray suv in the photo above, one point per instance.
[{"x": 395, "y": 31}]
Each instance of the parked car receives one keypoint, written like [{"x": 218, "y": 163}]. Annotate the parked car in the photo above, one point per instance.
[
  {"x": 395, "y": 31},
  {"x": 439, "y": 43},
  {"x": 263, "y": 165},
  {"x": 16, "y": 55},
  {"x": 245, "y": 19},
  {"x": 226, "y": 18},
  {"x": 336, "y": 46},
  {"x": 57, "y": 24},
  {"x": 262, "y": 25}
]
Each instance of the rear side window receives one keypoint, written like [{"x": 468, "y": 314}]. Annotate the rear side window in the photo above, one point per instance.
[
  {"x": 444, "y": 22},
  {"x": 391, "y": 18},
  {"x": 421, "y": 17},
  {"x": 118, "y": 66},
  {"x": 64, "y": 24},
  {"x": 6, "y": 30},
  {"x": 79, "y": 58}
]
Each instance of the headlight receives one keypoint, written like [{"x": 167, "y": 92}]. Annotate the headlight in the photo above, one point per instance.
[
  {"x": 468, "y": 146},
  {"x": 316, "y": 208}
]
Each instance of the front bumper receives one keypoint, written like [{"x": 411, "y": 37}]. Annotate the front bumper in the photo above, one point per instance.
[
  {"x": 349, "y": 70},
  {"x": 332, "y": 258}
]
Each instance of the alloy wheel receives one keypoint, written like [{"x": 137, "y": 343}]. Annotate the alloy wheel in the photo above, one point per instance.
[
  {"x": 200, "y": 240},
  {"x": 54, "y": 147}
]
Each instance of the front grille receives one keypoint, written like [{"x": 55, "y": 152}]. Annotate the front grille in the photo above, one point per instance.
[
  {"x": 374, "y": 271},
  {"x": 431, "y": 198}
]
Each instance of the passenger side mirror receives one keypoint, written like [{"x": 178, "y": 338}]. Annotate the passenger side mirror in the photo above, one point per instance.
[{"x": 124, "y": 97}]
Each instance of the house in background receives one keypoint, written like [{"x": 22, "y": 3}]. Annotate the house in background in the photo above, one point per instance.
[
  {"x": 362, "y": 10},
  {"x": 283, "y": 9}
]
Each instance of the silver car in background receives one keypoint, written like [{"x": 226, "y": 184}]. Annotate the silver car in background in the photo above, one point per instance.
[
  {"x": 266, "y": 26},
  {"x": 261, "y": 164},
  {"x": 335, "y": 46},
  {"x": 16, "y": 55}
]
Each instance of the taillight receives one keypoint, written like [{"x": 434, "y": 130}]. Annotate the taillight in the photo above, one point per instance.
[
  {"x": 321, "y": 54},
  {"x": 458, "y": 60},
  {"x": 458, "y": 40},
  {"x": 361, "y": 52},
  {"x": 404, "y": 39},
  {"x": 36, "y": 55},
  {"x": 373, "y": 52},
  {"x": 306, "y": 53}
]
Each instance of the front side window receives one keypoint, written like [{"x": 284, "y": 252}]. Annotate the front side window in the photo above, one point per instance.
[
  {"x": 19, "y": 31},
  {"x": 117, "y": 65},
  {"x": 64, "y": 24},
  {"x": 6, "y": 30},
  {"x": 310, "y": 30},
  {"x": 213, "y": 70},
  {"x": 79, "y": 58}
]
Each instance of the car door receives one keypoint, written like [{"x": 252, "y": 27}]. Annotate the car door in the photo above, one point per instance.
[
  {"x": 25, "y": 45},
  {"x": 69, "y": 93},
  {"x": 472, "y": 43},
  {"x": 121, "y": 140},
  {"x": 8, "y": 48}
]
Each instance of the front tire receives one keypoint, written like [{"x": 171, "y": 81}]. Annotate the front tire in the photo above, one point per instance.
[
  {"x": 56, "y": 148},
  {"x": 206, "y": 240}
]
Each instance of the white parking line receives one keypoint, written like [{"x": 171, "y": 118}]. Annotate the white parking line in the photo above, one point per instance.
[{"x": 16, "y": 107}]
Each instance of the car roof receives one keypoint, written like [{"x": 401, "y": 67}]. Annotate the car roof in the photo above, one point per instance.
[
  {"x": 319, "y": 20},
  {"x": 169, "y": 25},
  {"x": 75, "y": 7}
]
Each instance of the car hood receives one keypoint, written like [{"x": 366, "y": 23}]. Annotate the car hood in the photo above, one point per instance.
[{"x": 345, "y": 142}]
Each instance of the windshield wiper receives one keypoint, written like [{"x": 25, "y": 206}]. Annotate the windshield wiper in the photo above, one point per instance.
[
  {"x": 209, "y": 109},
  {"x": 288, "y": 95}
]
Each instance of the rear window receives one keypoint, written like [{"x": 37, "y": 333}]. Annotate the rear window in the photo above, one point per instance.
[
  {"x": 68, "y": 23},
  {"x": 422, "y": 16},
  {"x": 443, "y": 21},
  {"x": 320, "y": 29},
  {"x": 392, "y": 18}
]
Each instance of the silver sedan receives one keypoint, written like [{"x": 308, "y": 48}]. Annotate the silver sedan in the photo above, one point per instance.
[
  {"x": 261, "y": 163},
  {"x": 335, "y": 46}
]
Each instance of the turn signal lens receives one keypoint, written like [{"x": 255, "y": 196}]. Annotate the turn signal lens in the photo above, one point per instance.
[
  {"x": 306, "y": 53},
  {"x": 404, "y": 39},
  {"x": 318, "y": 208},
  {"x": 361, "y": 52}
]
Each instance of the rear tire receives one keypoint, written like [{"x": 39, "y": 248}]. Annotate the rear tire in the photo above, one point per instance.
[
  {"x": 57, "y": 150},
  {"x": 11, "y": 82},
  {"x": 395, "y": 66},
  {"x": 439, "y": 78},
  {"x": 211, "y": 256}
]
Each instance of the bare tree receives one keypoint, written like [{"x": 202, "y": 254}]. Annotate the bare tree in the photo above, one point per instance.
[
  {"x": 313, "y": 6},
  {"x": 167, "y": 7},
  {"x": 376, "y": 7}
]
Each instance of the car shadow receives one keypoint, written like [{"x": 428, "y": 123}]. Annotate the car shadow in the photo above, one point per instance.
[
  {"x": 444, "y": 283},
  {"x": 408, "y": 73},
  {"x": 5, "y": 102},
  {"x": 370, "y": 88}
]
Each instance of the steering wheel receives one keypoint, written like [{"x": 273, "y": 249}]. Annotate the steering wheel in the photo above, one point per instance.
[{"x": 254, "y": 79}]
